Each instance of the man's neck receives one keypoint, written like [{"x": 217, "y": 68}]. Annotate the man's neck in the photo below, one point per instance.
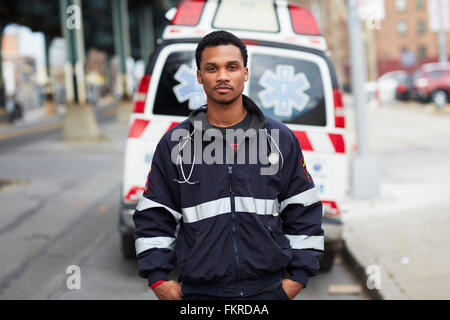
[{"x": 226, "y": 115}]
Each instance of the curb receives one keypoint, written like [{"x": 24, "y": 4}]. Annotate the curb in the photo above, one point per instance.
[{"x": 359, "y": 270}]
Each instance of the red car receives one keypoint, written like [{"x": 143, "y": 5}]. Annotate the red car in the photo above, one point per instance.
[{"x": 432, "y": 83}]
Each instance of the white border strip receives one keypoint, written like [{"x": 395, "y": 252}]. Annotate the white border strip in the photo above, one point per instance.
[
  {"x": 306, "y": 242},
  {"x": 145, "y": 204},
  {"x": 305, "y": 198},
  {"x": 144, "y": 244}
]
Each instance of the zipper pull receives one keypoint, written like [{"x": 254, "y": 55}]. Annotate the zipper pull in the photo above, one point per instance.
[{"x": 230, "y": 179}]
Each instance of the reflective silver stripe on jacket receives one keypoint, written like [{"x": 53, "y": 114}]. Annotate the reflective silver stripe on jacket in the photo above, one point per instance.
[
  {"x": 258, "y": 206},
  {"x": 305, "y": 198},
  {"x": 143, "y": 244},
  {"x": 306, "y": 242},
  {"x": 145, "y": 204},
  {"x": 206, "y": 210},
  {"x": 217, "y": 207}
]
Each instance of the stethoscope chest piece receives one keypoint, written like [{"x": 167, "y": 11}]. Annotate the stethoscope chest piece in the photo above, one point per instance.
[{"x": 274, "y": 158}]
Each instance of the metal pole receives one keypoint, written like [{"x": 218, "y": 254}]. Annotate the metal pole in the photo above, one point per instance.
[
  {"x": 70, "y": 58},
  {"x": 442, "y": 32},
  {"x": 122, "y": 41},
  {"x": 2, "y": 82},
  {"x": 78, "y": 37},
  {"x": 146, "y": 32},
  {"x": 365, "y": 171}
]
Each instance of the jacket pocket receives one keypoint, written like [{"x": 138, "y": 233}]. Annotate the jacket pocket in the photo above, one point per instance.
[
  {"x": 187, "y": 250},
  {"x": 279, "y": 238}
]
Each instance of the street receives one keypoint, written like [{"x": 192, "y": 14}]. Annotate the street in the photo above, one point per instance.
[{"x": 60, "y": 204}]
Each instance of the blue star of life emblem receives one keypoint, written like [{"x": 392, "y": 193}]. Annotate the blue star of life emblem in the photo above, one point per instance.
[
  {"x": 188, "y": 87},
  {"x": 284, "y": 91}
]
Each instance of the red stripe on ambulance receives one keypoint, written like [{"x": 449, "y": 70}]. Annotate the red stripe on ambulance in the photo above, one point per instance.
[
  {"x": 305, "y": 143},
  {"x": 137, "y": 128}
]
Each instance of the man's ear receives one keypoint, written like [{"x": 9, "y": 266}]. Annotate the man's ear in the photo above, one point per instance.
[
  {"x": 199, "y": 77},
  {"x": 245, "y": 74}
]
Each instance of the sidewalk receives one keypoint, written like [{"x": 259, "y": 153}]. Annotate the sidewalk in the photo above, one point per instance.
[
  {"x": 405, "y": 231},
  {"x": 39, "y": 116}
]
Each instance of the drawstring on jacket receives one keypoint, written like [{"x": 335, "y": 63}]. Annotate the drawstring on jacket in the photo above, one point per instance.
[{"x": 180, "y": 162}]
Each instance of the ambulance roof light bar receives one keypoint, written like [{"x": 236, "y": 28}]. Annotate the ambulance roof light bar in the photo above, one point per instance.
[
  {"x": 188, "y": 13},
  {"x": 303, "y": 21}
]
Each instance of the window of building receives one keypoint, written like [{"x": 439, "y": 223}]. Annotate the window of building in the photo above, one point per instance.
[
  {"x": 421, "y": 27},
  {"x": 419, "y": 4},
  {"x": 422, "y": 52},
  {"x": 400, "y": 5},
  {"x": 402, "y": 28}
]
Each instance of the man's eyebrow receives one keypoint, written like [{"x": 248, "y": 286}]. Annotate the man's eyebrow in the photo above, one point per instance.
[{"x": 215, "y": 64}]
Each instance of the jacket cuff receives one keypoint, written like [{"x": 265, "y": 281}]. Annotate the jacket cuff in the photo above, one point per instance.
[
  {"x": 299, "y": 275},
  {"x": 157, "y": 276}
]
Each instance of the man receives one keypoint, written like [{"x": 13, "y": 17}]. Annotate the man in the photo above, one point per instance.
[{"x": 234, "y": 230}]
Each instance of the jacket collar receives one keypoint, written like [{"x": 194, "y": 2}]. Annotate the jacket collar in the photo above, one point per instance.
[{"x": 198, "y": 116}]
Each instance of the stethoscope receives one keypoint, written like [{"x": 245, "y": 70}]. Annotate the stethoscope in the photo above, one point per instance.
[{"x": 274, "y": 157}]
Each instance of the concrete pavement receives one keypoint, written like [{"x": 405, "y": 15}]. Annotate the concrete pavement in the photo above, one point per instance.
[{"x": 405, "y": 231}]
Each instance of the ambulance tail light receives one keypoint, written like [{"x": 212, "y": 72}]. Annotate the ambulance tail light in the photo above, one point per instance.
[
  {"x": 188, "y": 13},
  {"x": 339, "y": 116},
  {"x": 141, "y": 94},
  {"x": 330, "y": 209},
  {"x": 303, "y": 21},
  {"x": 134, "y": 194},
  {"x": 401, "y": 88}
]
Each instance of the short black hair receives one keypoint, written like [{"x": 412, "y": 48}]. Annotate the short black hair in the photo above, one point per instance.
[{"x": 219, "y": 38}]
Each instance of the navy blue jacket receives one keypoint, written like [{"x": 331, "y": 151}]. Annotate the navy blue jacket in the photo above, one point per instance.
[{"x": 230, "y": 230}]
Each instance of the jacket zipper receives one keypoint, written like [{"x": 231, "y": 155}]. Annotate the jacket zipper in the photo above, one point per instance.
[{"x": 233, "y": 216}]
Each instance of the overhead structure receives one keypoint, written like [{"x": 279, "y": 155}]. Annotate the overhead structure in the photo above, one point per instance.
[{"x": 104, "y": 25}]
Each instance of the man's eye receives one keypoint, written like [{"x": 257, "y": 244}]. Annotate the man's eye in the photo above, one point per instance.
[
  {"x": 234, "y": 67},
  {"x": 210, "y": 69}
]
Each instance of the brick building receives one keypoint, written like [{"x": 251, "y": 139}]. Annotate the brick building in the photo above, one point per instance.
[{"x": 403, "y": 40}]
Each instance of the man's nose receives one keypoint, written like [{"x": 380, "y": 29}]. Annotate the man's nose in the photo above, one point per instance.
[{"x": 222, "y": 75}]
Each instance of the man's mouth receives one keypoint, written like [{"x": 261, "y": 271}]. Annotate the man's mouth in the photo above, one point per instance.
[{"x": 223, "y": 89}]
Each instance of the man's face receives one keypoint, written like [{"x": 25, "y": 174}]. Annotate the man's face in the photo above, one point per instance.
[{"x": 222, "y": 73}]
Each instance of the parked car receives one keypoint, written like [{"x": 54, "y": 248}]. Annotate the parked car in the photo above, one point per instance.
[
  {"x": 432, "y": 83},
  {"x": 403, "y": 92},
  {"x": 388, "y": 83},
  {"x": 283, "y": 47}
]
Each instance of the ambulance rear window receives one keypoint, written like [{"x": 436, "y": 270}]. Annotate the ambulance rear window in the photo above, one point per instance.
[
  {"x": 178, "y": 91},
  {"x": 288, "y": 89},
  {"x": 250, "y": 15},
  {"x": 287, "y": 85}
]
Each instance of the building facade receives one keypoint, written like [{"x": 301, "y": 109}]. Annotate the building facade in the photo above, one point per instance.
[{"x": 401, "y": 41}]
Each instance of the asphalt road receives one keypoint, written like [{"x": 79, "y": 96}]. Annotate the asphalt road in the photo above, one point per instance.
[{"x": 59, "y": 204}]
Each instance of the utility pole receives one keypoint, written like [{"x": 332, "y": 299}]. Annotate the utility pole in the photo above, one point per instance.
[
  {"x": 2, "y": 82},
  {"x": 442, "y": 30},
  {"x": 122, "y": 46},
  {"x": 365, "y": 169}
]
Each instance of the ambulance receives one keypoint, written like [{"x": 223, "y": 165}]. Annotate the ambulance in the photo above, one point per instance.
[{"x": 291, "y": 78}]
